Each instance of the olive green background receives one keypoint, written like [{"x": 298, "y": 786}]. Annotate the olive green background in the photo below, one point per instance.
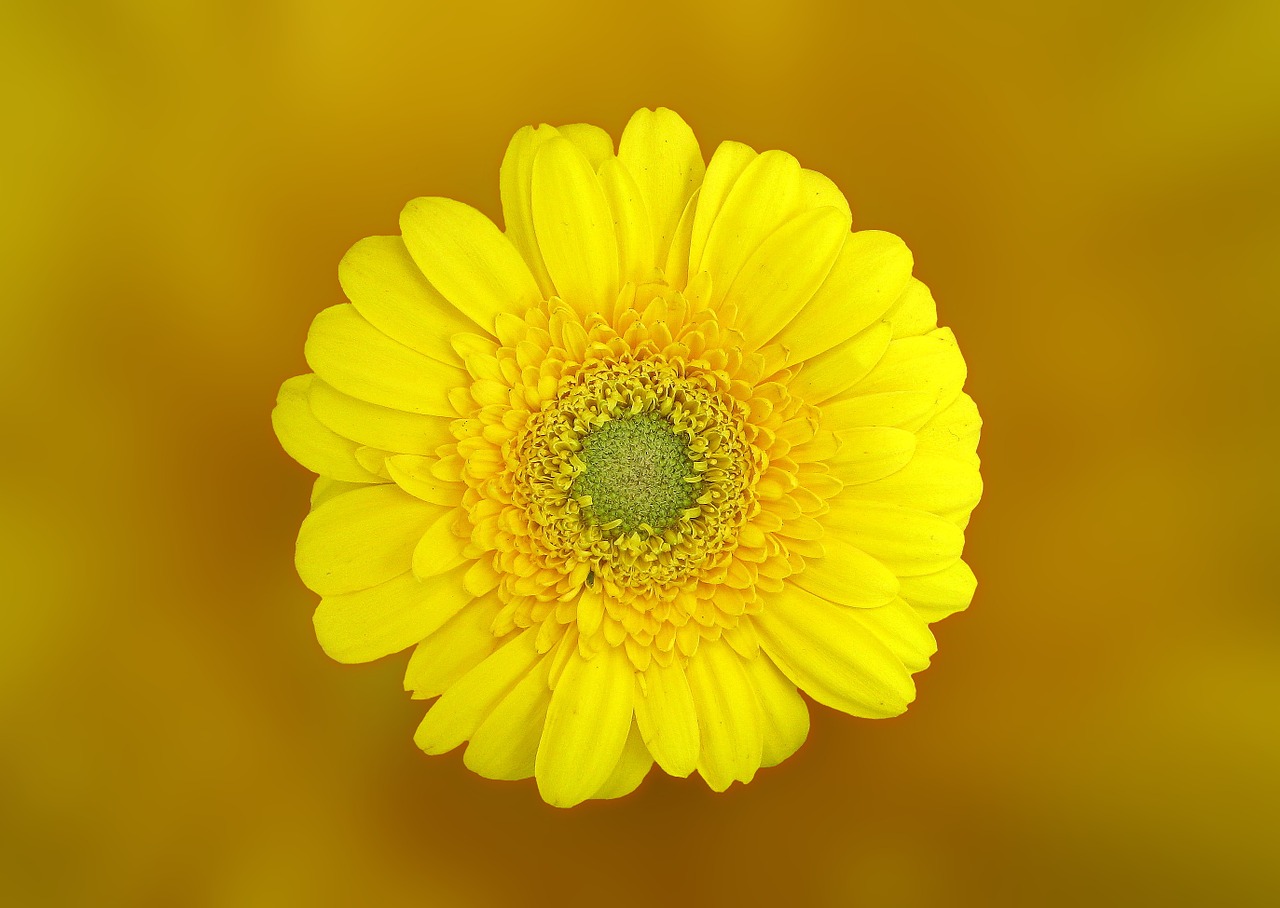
[{"x": 1091, "y": 192}]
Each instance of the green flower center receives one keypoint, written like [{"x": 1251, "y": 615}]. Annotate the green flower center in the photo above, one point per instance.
[{"x": 638, "y": 475}]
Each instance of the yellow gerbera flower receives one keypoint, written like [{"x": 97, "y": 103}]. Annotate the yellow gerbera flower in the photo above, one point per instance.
[{"x": 628, "y": 474}]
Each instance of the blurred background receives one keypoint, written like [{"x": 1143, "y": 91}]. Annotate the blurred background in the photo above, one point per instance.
[{"x": 1089, "y": 188}]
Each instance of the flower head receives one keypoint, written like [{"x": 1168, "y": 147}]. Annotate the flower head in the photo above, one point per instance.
[{"x": 627, "y": 475}]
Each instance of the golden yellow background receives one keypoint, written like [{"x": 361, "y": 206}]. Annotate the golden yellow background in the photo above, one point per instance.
[{"x": 1091, "y": 191}]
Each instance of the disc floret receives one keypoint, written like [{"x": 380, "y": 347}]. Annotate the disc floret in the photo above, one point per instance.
[{"x": 637, "y": 475}]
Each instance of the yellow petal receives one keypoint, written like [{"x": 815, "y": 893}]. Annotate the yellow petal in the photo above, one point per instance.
[
  {"x": 871, "y": 453},
  {"x": 516, "y": 180},
  {"x": 902, "y": 631},
  {"x": 782, "y": 275},
  {"x": 324, "y": 489},
  {"x": 847, "y": 576},
  {"x": 668, "y": 718},
  {"x": 378, "y": 427},
  {"x": 914, "y": 363},
  {"x": 308, "y": 441},
  {"x": 905, "y": 409},
  {"x": 631, "y": 222},
  {"x": 506, "y": 743},
  {"x": 481, "y": 578},
  {"x": 374, "y": 460},
  {"x": 357, "y": 359},
  {"x": 413, "y": 474},
  {"x": 459, "y": 645},
  {"x": 907, "y": 541},
  {"x": 369, "y": 624},
  {"x": 954, "y": 431},
  {"x": 935, "y": 596},
  {"x": 929, "y": 482},
  {"x": 727, "y": 164},
  {"x": 661, "y": 152},
  {"x": 361, "y": 539},
  {"x": 729, "y": 716},
  {"x": 677, "y": 263},
  {"x": 574, "y": 227},
  {"x": 765, "y": 197},
  {"x": 784, "y": 713},
  {"x": 633, "y": 766},
  {"x": 595, "y": 144},
  {"x": 868, "y": 276},
  {"x": 914, "y": 312},
  {"x": 817, "y": 191},
  {"x": 464, "y": 707},
  {"x": 828, "y": 653},
  {"x": 916, "y": 378},
  {"x": 590, "y": 610},
  {"x": 587, "y": 726},
  {"x": 440, "y": 548},
  {"x": 828, "y": 374},
  {"x": 468, "y": 260},
  {"x": 384, "y": 284}
]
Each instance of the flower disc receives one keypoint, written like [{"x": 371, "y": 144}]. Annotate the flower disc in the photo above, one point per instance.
[{"x": 628, "y": 475}]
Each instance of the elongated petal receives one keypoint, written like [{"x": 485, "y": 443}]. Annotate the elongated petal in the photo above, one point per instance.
[
  {"x": 930, "y": 482},
  {"x": 633, "y": 766},
  {"x": 913, "y": 363},
  {"x": 631, "y": 222},
  {"x": 661, "y": 152},
  {"x": 904, "y": 409},
  {"x": 506, "y": 743},
  {"x": 917, "y": 378},
  {"x": 595, "y": 144},
  {"x": 727, "y": 164},
  {"x": 847, "y": 576},
  {"x": 818, "y": 191},
  {"x": 369, "y": 624},
  {"x": 729, "y": 716},
  {"x": 413, "y": 474},
  {"x": 840, "y": 368},
  {"x": 677, "y": 264},
  {"x": 456, "y": 647},
  {"x": 357, "y": 359},
  {"x": 907, "y": 541},
  {"x": 914, "y": 312},
  {"x": 902, "y": 631},
  {"x": 324, "y": 489},
  {"x": 871, "y": 453},
  {"x": 869, "y": 274},
  {"x": 467, "y": 704},
  {"x": 935, "y": 596},
  {"x": 361, "y": 539},
  {"x": 783, "y": 711},
  {"x": 954, "y": 431},
  {"x": 439, "y": 549},
  {"x": 386, "y": 286},
  {"x": 765, "y": 197},
  {"x": 377, "y": 426},
  {"x": 574, "y": 227},
  {"x": 309, "y": 441},
  {"x": 468, "y": 260},
  {"x": 668, "y": 718},
  {"x": 587, "y": 726},
  {"x": 782, "y": 275},
  {"x": 516, "y": 181},
  {"x": 829, "y": 654}
]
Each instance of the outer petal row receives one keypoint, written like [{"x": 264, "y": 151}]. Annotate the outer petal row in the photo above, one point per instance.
[{"x": 309, "y": 441}]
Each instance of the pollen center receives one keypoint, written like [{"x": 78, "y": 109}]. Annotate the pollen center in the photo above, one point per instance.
[{"x": 638, "y": 475}]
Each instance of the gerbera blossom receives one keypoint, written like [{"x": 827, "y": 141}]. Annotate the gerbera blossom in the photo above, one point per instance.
[{"x": 627, "y": 475}]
